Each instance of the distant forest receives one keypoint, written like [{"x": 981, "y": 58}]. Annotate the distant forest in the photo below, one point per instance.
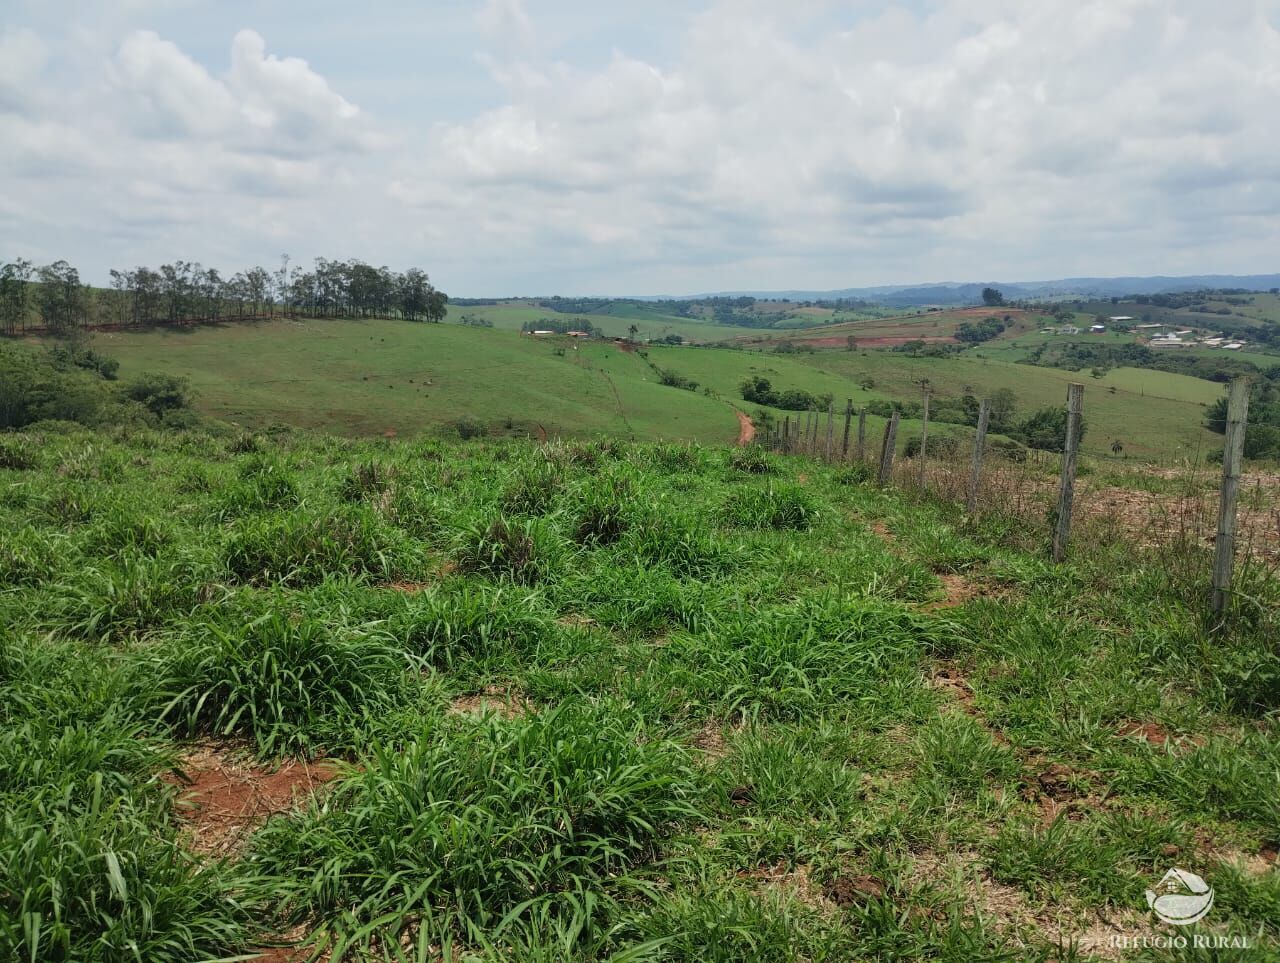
[{"x": 53, "y": 299}]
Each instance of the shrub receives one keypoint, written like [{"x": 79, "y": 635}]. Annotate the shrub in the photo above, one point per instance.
[
  {"x": 158, "y": 393},
  {"x": 468, "y": 428}
]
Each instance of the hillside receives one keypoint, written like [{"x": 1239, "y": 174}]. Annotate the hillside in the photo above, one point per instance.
[
  {"x": 586, "y": 700},
  {"x": 373, "y": 377}
]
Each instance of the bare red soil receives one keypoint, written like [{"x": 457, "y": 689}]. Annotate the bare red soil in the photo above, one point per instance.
[{"x": 223, "y": 800}]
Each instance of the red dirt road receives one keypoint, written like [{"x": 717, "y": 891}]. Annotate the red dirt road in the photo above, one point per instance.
[{"x": 746, "y": 430}]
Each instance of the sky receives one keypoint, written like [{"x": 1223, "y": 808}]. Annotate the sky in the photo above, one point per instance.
[{"x": 533, "y": 147}]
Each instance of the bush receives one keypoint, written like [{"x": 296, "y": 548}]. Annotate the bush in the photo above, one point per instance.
[
  {"x": 940, "y": 446},
  {"x": 158, "y": 393},
  {"x": 468, "y": 428}
]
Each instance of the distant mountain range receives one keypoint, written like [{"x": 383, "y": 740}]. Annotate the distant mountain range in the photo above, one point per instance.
[{"x": 948, "y": 292}]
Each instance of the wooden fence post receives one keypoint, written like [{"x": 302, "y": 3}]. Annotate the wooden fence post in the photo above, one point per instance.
[
  {"x": 887, "y": 448},
  {"x": 979, "y": 443},
  {"x": 924, "y": 436},
  {"x": 831, "y": 418},
  {"x": 848, "y": 422},
  {"x": 1233, "y": 451},
  {"x": 862, "y": 433},
  {"x": 786, "y": 435},
  {"x": 1070, "y": 454}
]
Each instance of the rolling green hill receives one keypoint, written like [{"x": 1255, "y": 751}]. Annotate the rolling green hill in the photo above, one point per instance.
[{"x": 375, "y": 377}]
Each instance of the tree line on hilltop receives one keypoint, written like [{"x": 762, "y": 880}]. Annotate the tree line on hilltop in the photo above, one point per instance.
[{"x": 54, "y": 298}]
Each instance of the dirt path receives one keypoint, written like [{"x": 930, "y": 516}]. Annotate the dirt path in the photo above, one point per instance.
[{"x": 746, "y": 430}]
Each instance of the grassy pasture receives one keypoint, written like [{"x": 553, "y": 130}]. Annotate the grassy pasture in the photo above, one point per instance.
[
  {"x": 370, "y": 377},
  {"x": 592, "y": 701}
]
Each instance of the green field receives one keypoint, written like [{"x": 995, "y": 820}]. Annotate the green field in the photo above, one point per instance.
[
  {"x": 373, "y": 377},
  {"x": 597, "y": 701}
]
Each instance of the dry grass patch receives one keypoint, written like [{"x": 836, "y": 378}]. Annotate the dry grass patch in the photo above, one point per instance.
[
  {"x": 495, "y": 699},
  {"x": 1006, "y": 907}
]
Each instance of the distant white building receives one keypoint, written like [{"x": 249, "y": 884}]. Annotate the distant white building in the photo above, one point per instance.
[
  {"x": 1121, "y": 317},
  {"x": 1068, "y": 329},
  {"x": 1098, "y": 328}
]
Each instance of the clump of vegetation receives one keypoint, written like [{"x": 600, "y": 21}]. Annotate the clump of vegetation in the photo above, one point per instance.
[
  {"x": 673, "y": 379},
  {"x": 366, "y": 479},
  {"x": 778, "y": 506},
  {"x": 761, "y": 391},
  {"x": 469, "y": 428},
  {"x": 301, "y": 548},
  {"x": 538, "y": 816},
  {"x": 289, "y": 685},
  {"x": 751, "y": 460},
  {"x": 518, "y": 549}
]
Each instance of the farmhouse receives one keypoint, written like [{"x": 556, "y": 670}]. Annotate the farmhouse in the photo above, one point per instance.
[
  {"x": 1098, "y": 329},
  {"x": 1068, "y": 329}
]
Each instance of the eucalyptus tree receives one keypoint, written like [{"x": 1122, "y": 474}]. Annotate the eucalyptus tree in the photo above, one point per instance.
[{"x": 15, "y": 295}]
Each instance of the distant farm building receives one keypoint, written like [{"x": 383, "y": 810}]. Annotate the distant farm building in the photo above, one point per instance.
[
  {"x": 1098, "y": 329},
  {"x": 1168, "y": 340},
  {"x": 579, "y": 334},
  {"x": 1068, "y": 329},
  {"x": 1120, "y": 318},
  {"x": 541, "y": 333}
]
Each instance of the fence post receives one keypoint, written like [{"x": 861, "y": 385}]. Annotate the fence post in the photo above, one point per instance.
[
  {"x": 979, "y": 443},
  {"x": 888, "y": 447},
  {"x": 831, "y": 416},
  {"x": 924, "y": 436},
  {"x": 1070, "y": 454},
  {"x": 814, "y": 417},
  {"x": 1233, "y": 450},
  {"x": 848, "y": 422},
  {"x": 786, "y": 435}
]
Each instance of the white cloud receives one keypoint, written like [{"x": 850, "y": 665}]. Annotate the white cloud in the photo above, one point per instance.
[
  {"x": 22, "y": 57},
  {"x": 763, "y": 145}
]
